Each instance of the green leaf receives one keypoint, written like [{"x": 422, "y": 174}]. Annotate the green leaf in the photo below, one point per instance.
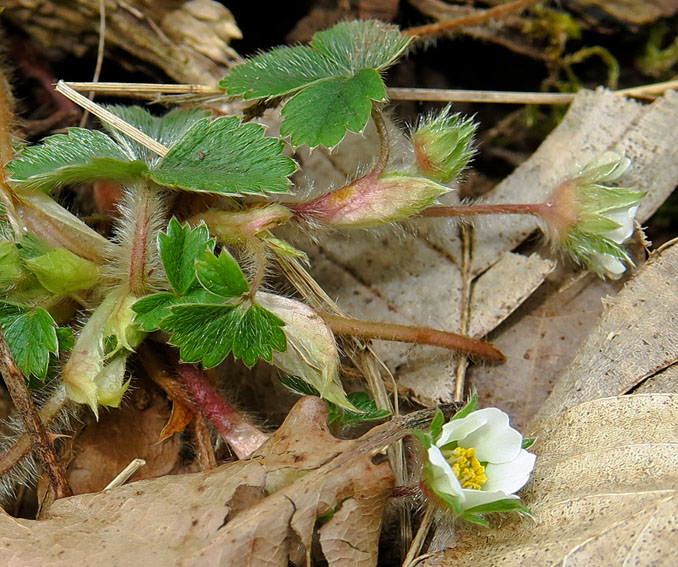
[
  {"x": 507, "y": 505},
  {"x": 152, "y": 309},
  {"x": 321, "y": 113},
  {"x": 208, "y": 333},
  {"x": 227, "y": 157},
  {"x": 281, "y": 71},
  {"x": 259, "y": 332},
  {"x": 468, "y": 408},
  {"x": 424, "y": 437},
  {"x": 437, "y": 425},
  {"x": 475, "y": 519},
  {"x": 222, "y": 276},
  {"x": 361, "y": 400},
  {"x": 66, "y": 338},
  {"x": 180, "y": 247},
  {"x": 31, "y": 338},
  {"x": 166, "y": 129},
  {"x": 298, "y": 385},
  {"x": 452, "y": 502},
  {"x": 358, "y": 45},
  {"x": 80, "y": 155},
  {"x": 527, "y": 443}
]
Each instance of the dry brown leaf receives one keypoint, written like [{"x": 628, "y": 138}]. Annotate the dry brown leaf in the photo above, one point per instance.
[
  {"x": 603, "y": 492},
  {"x": 635, "y": 12},
  {"x": 635, "y": 338},
  {"x": 254, "y": 512},
  {"x": 392, "y": 278}
]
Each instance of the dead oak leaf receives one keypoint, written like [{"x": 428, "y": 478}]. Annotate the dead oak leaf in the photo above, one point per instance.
[{"x": 261, "y": 511}]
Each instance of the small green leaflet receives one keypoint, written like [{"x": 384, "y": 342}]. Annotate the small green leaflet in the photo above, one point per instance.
[
  {"x": 32, "y": 335},
  {"x": 221, "y": 156},
  {"x": 334, "y": 80},
  {"x": 180, "y": 247},
  {"x": 208, "y": 314},
  {"x": 437, "y": 425},
  {"x": 227, "y": 157},
  {"x": 79, "y": 155},
  {"x": 208, "y": 333}
]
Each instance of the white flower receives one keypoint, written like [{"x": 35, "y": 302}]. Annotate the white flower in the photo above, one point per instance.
[{"x": 477, "y": 460}]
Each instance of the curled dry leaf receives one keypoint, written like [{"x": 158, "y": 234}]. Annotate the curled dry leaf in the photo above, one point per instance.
[
  {"x": 261, "y": 511},
  {"x": 603, "y": 492},
  {"x": 635, "y": 339}
]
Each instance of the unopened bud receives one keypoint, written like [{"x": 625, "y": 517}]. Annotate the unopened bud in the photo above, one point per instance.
[
  {"x": 442, "y": 145},
  {"x": 62, "y": 272},
  {"x": 370, "y": 202},
  {"x": 238, "y": 227}
]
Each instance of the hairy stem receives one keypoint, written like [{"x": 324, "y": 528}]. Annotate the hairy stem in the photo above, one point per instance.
[
  {"x": 384, "y": 143},
  {"x": 472, "y": 20},
  {"x": 494, "y": 209},
  {"x": 143, "y": 208},
  {"x": 411, "y": 334},
  {"x": 16, "y": 385},
  {"x": 258, "y": 249},
  {"x": 243, "y": 437}
]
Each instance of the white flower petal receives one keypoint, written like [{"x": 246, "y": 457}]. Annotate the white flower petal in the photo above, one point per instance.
[
  {"x": 460, "y": 428},
  {"x": 624, "y": 217},
  {"x": 444, "y": 480},
  {"x": 496, "y": 441},
  {"x": 479, "y": 497},
  {"x": 612, "y": 266},
  {"x": 510, "y": 477}
]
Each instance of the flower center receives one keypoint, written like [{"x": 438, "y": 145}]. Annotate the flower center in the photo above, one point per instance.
[{"x": 469, "y": 471}]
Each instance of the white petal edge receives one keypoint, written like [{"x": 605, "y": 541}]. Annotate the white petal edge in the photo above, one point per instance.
[
  {"x": 479, "y": 497},
  {"x": 460, "y": 428},
  {"x": 496, "y": 441},
  {"x": 624, "y": 217},
  {"x": 510, "y": 477},
  {"x": 444, "y": 480},
  {"x": 613, "y": 267}
]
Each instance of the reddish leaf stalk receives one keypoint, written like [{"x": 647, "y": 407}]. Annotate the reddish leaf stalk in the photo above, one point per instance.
[
  {"x": 241, "y": 435},
  {"x": 472, "y": 210},
  {"x": 494, "y": 13},
  {"x": 16, "y": 385},
  {"x": 411, "y": 334}
]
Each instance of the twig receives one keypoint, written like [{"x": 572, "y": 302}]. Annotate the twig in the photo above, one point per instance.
[
  {"x": 100, "y": 56},
  {"x": 411, "y": 334},
  {"x": 203, "y": 439},
  {"x": 462, "y": 363},
  {"x": 110, "y": 118},
  {"x": 420, "y": 537},
  {"x": 125, "y": 474},
  {"x": 16, "y": 385},
  {"x": 494, "y": 209},
  {"x": 471, "y": 20}
]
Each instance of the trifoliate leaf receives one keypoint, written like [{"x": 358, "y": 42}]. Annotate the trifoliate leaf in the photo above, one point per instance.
[
  {"x": 31, "y": 338},
  {"x": 335, "y": 79},
  {"x": 208, "y": 333},
  {"x": 154, "y": 308},
  {"x": 180, "y": 247},
  {"x": 321, "y": 113},
  {"x": 225, "y": 156},
  {"x": 80, "y": 155},
  {"x": 166, "y": 129},
  {"x": 222, "y": 276},
  {"x": 358, "y": 45}
]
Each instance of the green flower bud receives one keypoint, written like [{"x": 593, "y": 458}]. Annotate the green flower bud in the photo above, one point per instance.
[
  {"x": 62, "y": 272},
  {"x": 10, "y": 265},
  {"x": 237, "y": 227},
  {"x": 370, "y": 202},
  {"x": 442, "y": 145}
]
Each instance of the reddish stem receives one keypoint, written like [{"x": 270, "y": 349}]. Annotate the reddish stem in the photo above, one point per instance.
[
  {"x": 241, "y": 435},
  {"x": 472, "y": 210},
  {"x": 410, "y": 334}
]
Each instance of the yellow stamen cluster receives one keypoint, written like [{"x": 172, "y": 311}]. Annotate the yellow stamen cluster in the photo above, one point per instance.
[{"x": 469, "y": 471}]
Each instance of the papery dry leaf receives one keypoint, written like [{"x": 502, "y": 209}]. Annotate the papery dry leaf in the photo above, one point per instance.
[
  {"x": 633, "y": 12},
  {"x": 635, "y": 338},
  {"x": 391, "y": 278},
  {"x": 603, "y": 492},
  {"x": 253, "y": 512},
  {"x": 179, "y": 419}
]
